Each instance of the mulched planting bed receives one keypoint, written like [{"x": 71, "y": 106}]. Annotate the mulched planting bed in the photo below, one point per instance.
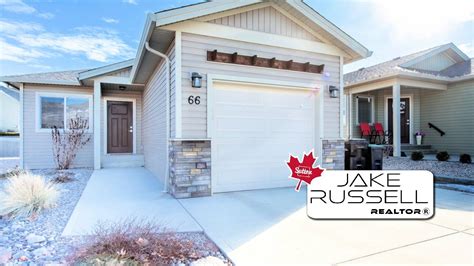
[{"x": 441, "y": 169}]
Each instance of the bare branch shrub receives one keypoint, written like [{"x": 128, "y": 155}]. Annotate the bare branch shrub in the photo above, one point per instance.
[
  {"x": 66, "y": 143},
  {"x": 132, "y": 243}
]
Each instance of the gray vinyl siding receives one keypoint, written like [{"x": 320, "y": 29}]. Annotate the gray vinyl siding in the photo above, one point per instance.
[
  {"x": 453, "y": 112},
  {"x": 154, "y": 122},
  {"x": 268, "y": 20},
  {"x": 194, "y": 52},
  {"x": 380, "y": 99},
  {"x": 172, "y": 56},
  {"x": 37, "y": 148},
  {"x": 125, "y": 95}
]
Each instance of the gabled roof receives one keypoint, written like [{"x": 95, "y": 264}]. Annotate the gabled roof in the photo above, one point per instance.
[
  {"x": 403, "y": 65},
  {"x": 54, "y": 78},
  {"x": 298, "y": 8},
  {"x": 70, "y": 78}
]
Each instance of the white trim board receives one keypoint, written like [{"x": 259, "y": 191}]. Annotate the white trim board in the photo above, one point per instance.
[
  {"x": 409, "y": 96},
  {"x": 100, "y": 71},
  {"x": 105, "y": 99},
  {"x": 22, "y": 126},
  {"x": 237, "y": 34}
]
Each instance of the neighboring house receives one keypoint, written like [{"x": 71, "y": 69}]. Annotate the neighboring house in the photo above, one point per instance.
[
  {"x": 265, "y": 70},
  {"x": 435, "y": 88},
  {"x": 9, "y": 109}
]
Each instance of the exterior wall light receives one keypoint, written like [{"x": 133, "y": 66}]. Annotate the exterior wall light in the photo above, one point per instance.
[
  {"x": 333, "y": 92},
  {"x": 122, "y": 88},
  {"x": 196, "y": 80}
]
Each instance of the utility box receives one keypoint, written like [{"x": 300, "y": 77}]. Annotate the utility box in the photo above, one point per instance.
[
  {"x": 356, "y": 154},
  {"x": 375, "y": 157}
]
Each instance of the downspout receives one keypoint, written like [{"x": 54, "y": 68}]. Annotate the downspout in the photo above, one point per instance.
[{"x": 168, "y": 88}]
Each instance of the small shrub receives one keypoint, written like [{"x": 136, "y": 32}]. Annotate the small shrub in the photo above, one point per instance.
[
  {"x": 417, "y": 156},
  {"x": 465, "y": 158},
  {"x": 27, "y": 195},
  {"x": 64, "y": 177},
  {"x": 442, "y": 156},
  {"x": 132, "y": 243},
  {"x": 66, "y": 143}
]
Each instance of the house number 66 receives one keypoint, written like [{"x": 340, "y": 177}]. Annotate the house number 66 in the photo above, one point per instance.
[{"x": 194, "y": 100}]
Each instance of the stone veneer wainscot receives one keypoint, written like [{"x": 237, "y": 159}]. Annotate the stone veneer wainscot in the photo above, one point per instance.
[
  {"x": 190, "y": 168},
  {"x": 333, "y": 154}
]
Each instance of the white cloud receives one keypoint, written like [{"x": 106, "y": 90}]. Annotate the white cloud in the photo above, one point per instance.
[
  {"x": 13, "y": 27},
  {"x": 17, "y": 6},
  {"x": 132, "y": 2},
  {"x": 46, "y": 15},
  {"x": 110, "y": 20},
  {"x": 15, "y": 53},
  {"x": 20, "y": 7},
  {"x": 417, "y": 20},
  {"x": 24, "y": 42}
]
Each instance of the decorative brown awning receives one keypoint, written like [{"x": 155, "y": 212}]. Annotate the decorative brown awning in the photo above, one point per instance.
[{"x": 237, "y": 59}]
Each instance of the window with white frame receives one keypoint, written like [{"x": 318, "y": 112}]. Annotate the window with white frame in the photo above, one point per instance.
[
  {"x": 365, "y": 109},
  {"x": 55, "y": 110}
]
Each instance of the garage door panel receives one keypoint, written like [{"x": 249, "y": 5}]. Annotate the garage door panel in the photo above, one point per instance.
[{"x": 254, "y": 130}]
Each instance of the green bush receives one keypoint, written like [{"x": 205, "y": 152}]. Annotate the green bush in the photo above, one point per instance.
[
  {"x": 417, "y": 156},
  {"x": 442, "y": 156},
  {"x": 465, "y": 158}
]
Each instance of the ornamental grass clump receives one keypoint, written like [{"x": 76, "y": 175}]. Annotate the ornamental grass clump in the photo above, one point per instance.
[
  {"x": 27, "y": 195},
  {"x": 132, "y": 243}
]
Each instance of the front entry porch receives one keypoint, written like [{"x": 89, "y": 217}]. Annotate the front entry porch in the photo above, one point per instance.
[
  {"x": 118, "y": 116},
  {"x": 375, "y": 104}
]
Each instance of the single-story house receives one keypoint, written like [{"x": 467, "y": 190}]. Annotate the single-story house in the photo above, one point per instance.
[
  {"x": 435, "y": 91},
  {"x": 9, "y": 109},
  {"x": 216, "y": 98}
]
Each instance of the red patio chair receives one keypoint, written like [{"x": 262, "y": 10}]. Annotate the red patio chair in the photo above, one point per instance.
[
  {"x": 383, "y": 136},
  {"x": 366, "y": 131}
]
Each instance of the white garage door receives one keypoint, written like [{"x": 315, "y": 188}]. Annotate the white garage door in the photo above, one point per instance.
[{"x": 254, "y": 130}]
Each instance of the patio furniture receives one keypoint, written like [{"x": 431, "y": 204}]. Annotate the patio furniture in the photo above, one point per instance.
[
  {"x": 366, "y": 132},
  {"x": 382, "y": 136}
]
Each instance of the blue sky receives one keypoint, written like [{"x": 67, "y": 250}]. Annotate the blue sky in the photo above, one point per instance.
[{"x": 55, "y": 35}]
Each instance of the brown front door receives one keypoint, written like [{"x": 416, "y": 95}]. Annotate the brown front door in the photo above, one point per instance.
[
  {"x": 404, "y": 118},
  {"x": 119, "y": 127}
]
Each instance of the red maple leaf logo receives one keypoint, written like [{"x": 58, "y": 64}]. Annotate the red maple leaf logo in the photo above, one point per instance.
[{"x": 304, "y": 171}]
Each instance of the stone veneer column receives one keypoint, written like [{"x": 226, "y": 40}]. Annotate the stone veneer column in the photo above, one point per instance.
[
  {"x": 190, "y": 168},
  {"x": 333, "y": 154}
]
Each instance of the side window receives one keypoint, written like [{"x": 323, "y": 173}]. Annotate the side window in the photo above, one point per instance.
[
  {"x": 364, "y": 110},
  {"x": 52, "y": 112},
  {"x": 57, "y": 111}
]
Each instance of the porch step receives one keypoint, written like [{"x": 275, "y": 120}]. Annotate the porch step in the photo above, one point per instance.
[
  {"x": 409, "y": 148},
  {"x": 123, "y": 160}
]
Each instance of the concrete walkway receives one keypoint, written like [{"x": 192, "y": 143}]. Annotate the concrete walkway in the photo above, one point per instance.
[
  {"x": 113, "y": 195},
  {"x": 271, "y": 227}
]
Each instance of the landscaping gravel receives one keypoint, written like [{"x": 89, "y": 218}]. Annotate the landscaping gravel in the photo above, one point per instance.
[
  {"x": 441, "y": 169},
  {"x": 39, "y": 241}
]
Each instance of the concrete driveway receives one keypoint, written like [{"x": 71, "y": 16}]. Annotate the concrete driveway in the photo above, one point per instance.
[
  {"x": 271, "y": 227},
  {"x": 114, "y": 195}
]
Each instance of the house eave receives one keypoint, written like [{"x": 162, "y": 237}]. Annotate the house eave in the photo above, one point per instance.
[
  {"x": 38, "y": 81},
  {"x": 105, "y": 69}
]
